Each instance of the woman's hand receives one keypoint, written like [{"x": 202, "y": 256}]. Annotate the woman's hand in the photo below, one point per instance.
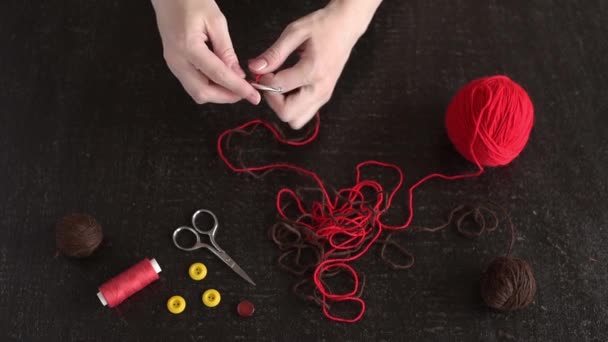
[
  {"x": 324, "y": 40},
  {"x": 209, "y": 74}
]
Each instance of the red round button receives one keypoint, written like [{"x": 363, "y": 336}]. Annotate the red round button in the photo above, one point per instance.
[{"x": 245, "y": 308}]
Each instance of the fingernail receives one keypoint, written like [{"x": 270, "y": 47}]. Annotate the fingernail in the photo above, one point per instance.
[
  {"x": 255, "y": 98},
  {"x": 237, "y": 68},
  {"x": 258, "y": 64}
]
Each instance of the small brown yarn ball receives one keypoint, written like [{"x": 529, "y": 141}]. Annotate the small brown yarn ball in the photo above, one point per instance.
[
  {"x": 508, "y": 284},
  {"x": 78, "y": 235}
]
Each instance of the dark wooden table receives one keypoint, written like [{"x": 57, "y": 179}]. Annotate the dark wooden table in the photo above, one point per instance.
[{"x": 91, "y": 120}]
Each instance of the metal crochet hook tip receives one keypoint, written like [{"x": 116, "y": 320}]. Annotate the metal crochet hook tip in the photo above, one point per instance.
[{"x": 266, "y": 88}]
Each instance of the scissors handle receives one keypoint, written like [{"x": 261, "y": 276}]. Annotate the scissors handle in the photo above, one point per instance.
[
  {"x": 197, "y": 245},
  {"x": 211, "y": 231}
]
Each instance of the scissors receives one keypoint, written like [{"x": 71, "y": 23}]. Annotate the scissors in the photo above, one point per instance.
[{"x": 213, "y": 247}]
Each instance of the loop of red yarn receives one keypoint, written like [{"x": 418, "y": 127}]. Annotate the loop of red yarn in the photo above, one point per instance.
[
  {"x": 351, "y": 222},
  {"x": 489, "y": 120},
  {"x": 129, "y": 282}
]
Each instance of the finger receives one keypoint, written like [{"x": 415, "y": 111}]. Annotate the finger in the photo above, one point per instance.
[
  {"x": 213, "y": 68},
  {"x": 291, "y": 107},
  {"x": 292, "y": 78},
  {"x": 292, "y": 37},
  {"x": 219, "y": 36},
  {"x": 199, "y": 88},
  {"x": 276, "y": 101},
  {"x": 305, "y": 117}
]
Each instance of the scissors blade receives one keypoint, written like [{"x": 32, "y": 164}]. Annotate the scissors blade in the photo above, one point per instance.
[
  {"x": 232, "y": 264},
  {"x": 266, "y": 88},
  {"x": 236, "y": 268}
]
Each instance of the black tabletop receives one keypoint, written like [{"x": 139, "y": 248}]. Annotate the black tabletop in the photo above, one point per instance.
[{"x": 93, "y": 121}]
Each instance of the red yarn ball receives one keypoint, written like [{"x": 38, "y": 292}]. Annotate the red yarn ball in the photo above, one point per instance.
[{"x": 489, "y": 120}]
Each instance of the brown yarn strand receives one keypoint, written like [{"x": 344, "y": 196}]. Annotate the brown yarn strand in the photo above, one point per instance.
[
  {"x": 507, "y": 284},
  {"x": 294, "y": 240},
  {"x": 395, "y": 265},
  {"x": 479, "y": 214},
  {"x": 485, "y": 218}
]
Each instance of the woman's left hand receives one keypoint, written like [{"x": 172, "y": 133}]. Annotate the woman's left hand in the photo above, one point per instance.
[{"x": 324, "y": 40}]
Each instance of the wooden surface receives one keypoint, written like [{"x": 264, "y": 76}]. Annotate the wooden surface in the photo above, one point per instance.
[{"x": 91, "y": 120}]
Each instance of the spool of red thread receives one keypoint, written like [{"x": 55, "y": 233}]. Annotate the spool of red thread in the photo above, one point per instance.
[
  {"x": 489, "y": 120},
  {"x": 129, "y": 282}
]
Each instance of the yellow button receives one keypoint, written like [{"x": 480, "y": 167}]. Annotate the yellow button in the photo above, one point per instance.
[
  {"x": 197, "y": 271},
  {"x": 176, "y": 304},
  {"x": 211, "y": 298}
]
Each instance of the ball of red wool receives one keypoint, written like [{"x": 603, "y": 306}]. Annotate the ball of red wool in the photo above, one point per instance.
[{"x": 489, "y": 120}]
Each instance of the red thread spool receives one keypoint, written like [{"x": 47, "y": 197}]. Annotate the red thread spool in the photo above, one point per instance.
[
  {"x": 489, "y": 120},
  {"x": 129, "y": 282}
]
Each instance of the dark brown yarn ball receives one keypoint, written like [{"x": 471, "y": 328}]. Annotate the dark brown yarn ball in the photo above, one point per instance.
[
  {"x": 508, "y": 284},
  {"x": 78, "y": 235}
]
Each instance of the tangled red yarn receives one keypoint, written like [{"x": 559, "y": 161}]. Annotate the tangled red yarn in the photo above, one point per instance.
[{"x": 351, "y": 220}]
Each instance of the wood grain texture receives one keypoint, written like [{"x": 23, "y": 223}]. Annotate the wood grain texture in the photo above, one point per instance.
[{"x": 91, "y": 120}]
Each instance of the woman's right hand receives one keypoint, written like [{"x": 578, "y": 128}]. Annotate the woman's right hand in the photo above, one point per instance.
[{"x": 208, "y": 74}]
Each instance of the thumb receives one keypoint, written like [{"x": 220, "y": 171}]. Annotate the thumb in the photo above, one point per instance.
[
  {"x": 222, "y": 44},
  {"x": 291, "y": 38}
]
